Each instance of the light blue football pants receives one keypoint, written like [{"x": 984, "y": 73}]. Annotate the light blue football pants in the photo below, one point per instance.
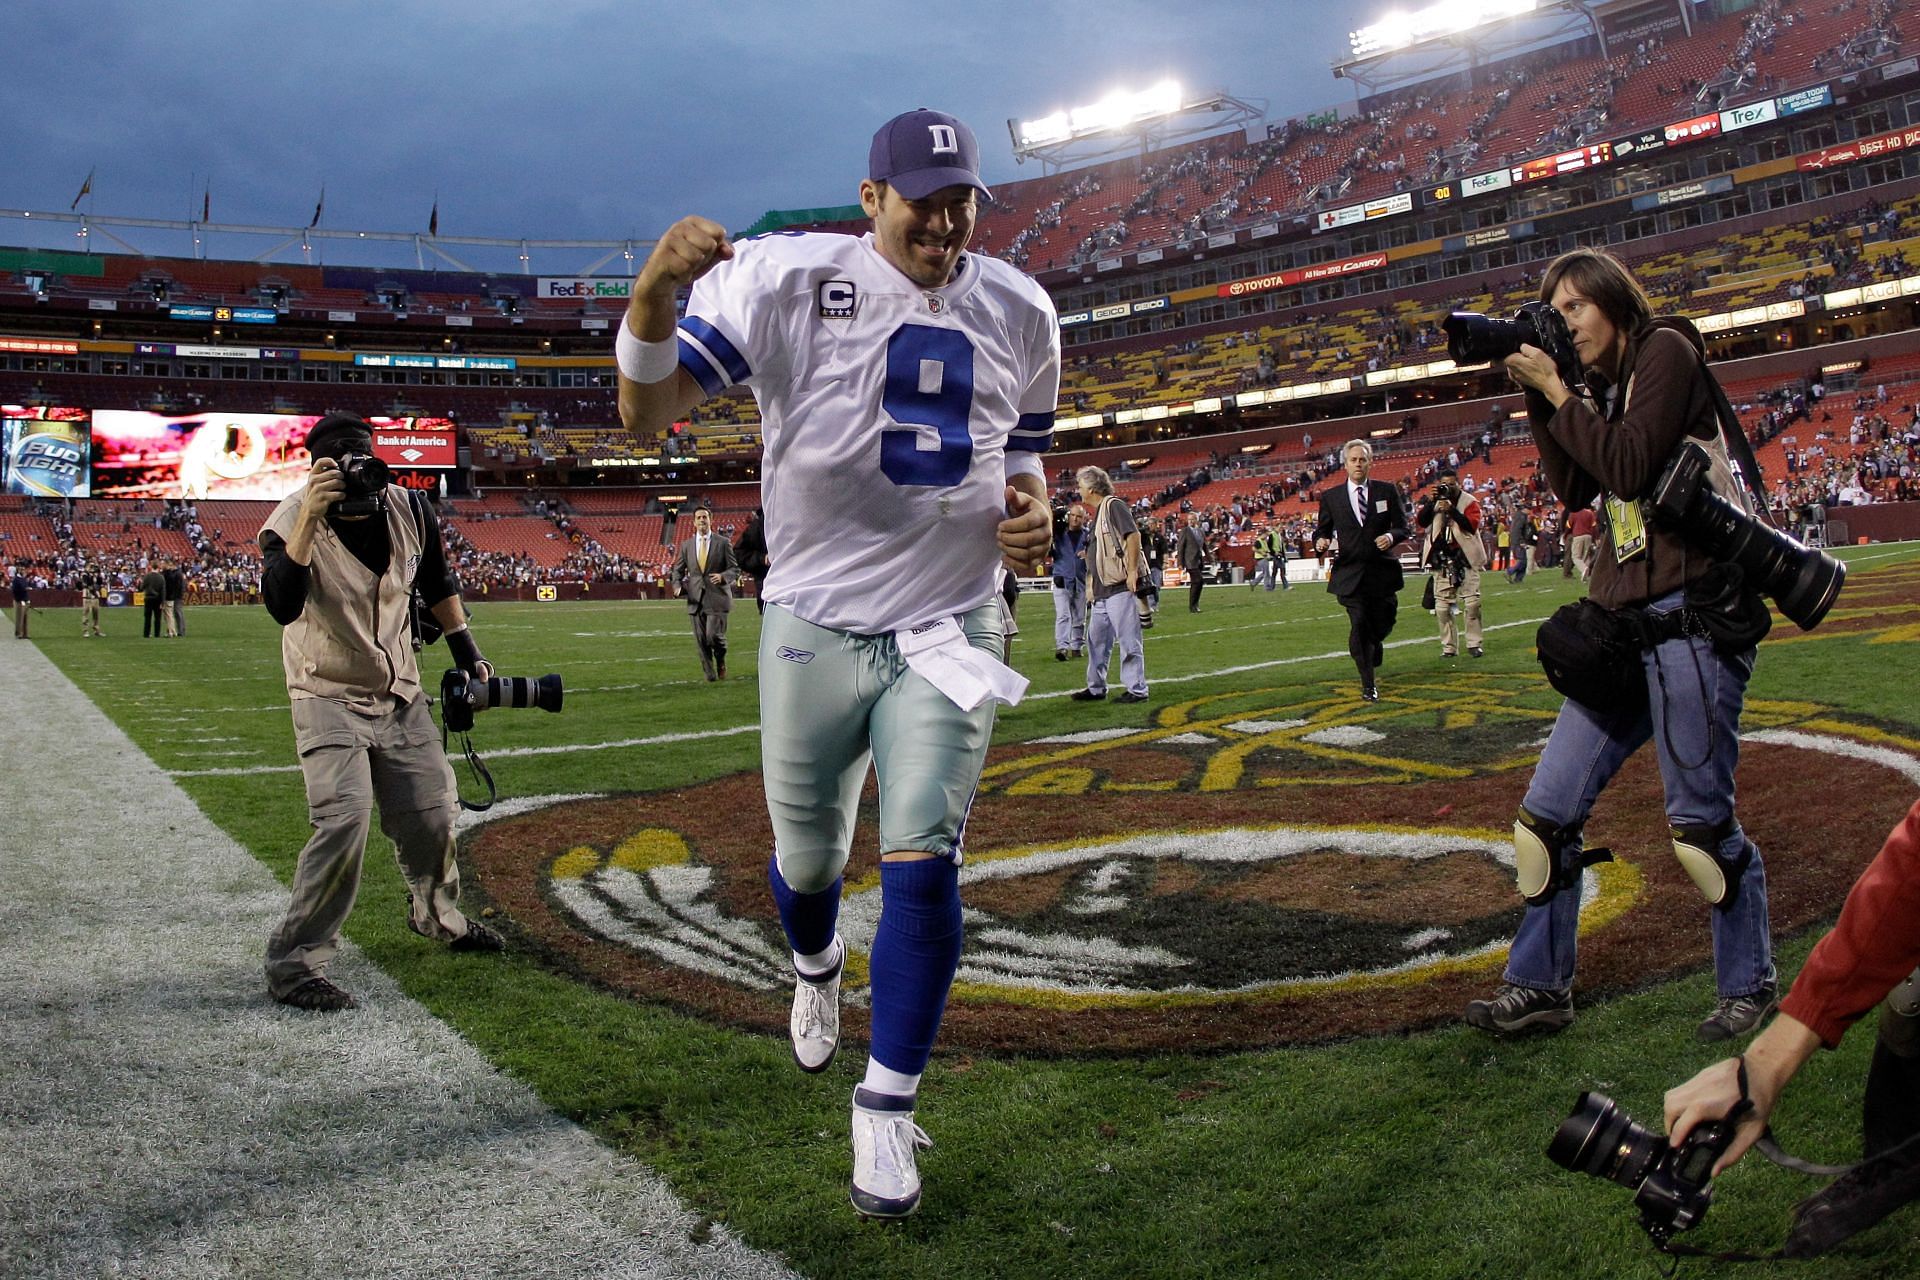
[{"x": 830, "y": 701}]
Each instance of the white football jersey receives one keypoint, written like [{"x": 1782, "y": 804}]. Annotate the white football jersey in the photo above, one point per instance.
[{"x": 891, "y": 416}]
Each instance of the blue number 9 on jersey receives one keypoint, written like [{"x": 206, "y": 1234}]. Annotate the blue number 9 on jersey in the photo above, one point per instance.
[{"x": 930, "y": 384}]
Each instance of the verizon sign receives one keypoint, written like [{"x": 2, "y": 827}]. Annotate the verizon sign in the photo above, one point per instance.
[{"x": 421, "y": 449}]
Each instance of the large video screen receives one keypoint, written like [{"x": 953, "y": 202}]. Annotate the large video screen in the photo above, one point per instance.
[
  {"x": 44, "y": 451},
  {"x": 213, "y": 455}
]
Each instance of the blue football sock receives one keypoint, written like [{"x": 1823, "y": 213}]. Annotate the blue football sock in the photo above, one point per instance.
[
  {"x": 915, "y": 953},
  {"x": 808, "y": 918}
]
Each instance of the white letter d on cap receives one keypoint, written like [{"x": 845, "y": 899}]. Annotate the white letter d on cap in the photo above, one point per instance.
[{"x": 944, "y": 138}]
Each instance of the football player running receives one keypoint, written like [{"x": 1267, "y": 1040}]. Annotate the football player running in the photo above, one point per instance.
[{"x": 906, "y": 392}]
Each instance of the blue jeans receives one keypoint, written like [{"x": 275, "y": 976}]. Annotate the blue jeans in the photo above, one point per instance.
[
  {"x": 1069, "y": 614},
  {"x": 1695, "y": 727}
]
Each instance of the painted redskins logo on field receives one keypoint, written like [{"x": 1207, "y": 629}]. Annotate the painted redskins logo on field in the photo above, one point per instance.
[{"x": 1266, "y": 866}]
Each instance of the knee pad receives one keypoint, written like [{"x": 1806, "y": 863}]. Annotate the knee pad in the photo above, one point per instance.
[
  {"x": 1541, "y": 864},
  {"x": 1697, "y": 846}
]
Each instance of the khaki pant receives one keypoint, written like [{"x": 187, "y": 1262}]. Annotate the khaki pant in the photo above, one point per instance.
[
  {"x": 351, "y": 764},
  {"x": 90, "y": 615},
  {"x": 169, "y": 618},
  {"x": 1581, "y": 552},
  {"x": 20, "y": 620},
  {"x": 1467, "y": 595}
]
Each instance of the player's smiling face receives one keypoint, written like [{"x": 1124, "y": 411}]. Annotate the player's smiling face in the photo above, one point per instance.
[{"x": 923, "y": 238}]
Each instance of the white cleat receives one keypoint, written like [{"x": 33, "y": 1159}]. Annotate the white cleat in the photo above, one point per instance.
[
  {"x": 886, "y": 1183},
  {"x": 814, "y": 1024}
]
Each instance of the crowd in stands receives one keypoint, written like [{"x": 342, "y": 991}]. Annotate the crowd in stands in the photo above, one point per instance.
[
  {"x": 1548, "y": 99},
  {"x": 1830, "y": 456},
  {"x": 134, "y": 545}
]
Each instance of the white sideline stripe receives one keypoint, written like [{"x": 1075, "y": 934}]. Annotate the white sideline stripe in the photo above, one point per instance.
[
  {"x": 703, "y": 734},
  {"x": 164, "y": 1118},
  {"x": 1288, "y": 662},
  {"x": 563, "y": 749}
]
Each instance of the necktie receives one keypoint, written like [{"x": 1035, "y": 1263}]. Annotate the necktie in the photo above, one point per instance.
[
  {"x": 1360, "y": 503},
  {"x": 703, "y": 552}
]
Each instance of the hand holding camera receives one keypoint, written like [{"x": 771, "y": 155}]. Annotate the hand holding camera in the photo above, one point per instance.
[
  {"x": 325, "y": 486},
  {"x": 1671, "y": 1182},
  {"x": 1716, "y": 1095},
  {"x": 466, "y": 653},
  {"x": 1536, "y": 346}
]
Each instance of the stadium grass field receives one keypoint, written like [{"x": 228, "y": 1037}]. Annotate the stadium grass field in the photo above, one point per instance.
[{"x": 1417, "y": 1155}]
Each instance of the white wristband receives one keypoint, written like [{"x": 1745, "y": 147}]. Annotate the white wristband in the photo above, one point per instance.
[{"x": 645, "y": 361}]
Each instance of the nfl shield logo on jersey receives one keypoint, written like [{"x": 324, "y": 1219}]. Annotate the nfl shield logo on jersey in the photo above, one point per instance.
[
  {"x": 935, "y": 303},
  {"x": 837, "y": 299}
]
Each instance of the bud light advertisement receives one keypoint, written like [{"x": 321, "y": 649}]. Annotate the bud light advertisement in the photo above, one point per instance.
[{"x": 46, "y": 452}]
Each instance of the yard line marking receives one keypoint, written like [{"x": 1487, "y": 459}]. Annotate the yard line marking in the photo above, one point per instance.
[
  {"x": 562, "y": 749},
  {"x": 704, "y": 734}
]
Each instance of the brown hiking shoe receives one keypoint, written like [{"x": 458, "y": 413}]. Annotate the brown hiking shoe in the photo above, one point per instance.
[{"x": 318, "y": 995}]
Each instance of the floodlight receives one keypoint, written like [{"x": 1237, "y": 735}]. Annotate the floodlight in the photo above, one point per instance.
[
  {"x": 1115, "y": 111},
  {"x": 1398, "y": 30}
]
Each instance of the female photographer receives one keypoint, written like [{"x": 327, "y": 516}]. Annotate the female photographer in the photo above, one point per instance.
[{"x": 1651, "y": 392}]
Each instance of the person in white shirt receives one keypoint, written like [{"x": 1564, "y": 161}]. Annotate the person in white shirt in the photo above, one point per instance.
[{"x": 906, "y": 391}]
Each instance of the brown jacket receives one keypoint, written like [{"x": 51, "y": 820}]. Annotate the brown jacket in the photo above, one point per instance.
[
  {"x": 1663, "y": 397},
  {"x": 353, "y": 643}
]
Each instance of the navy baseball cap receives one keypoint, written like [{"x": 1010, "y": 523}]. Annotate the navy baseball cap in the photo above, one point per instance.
[{"x": 922, "y": 151}]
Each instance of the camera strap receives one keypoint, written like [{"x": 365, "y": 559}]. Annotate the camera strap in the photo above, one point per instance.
[
  {"x": 1855, "y": 1200},
  {"x": 479, "y": 769},
  {"x": 1734, "y": 439}
]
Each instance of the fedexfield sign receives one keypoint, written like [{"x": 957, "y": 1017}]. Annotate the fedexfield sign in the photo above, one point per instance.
[{"x": 609, "y": 287}]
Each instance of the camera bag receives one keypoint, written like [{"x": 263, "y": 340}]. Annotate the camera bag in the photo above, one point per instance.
[
  {"x": 1591, "y": 654},
  {"x": 1734, "y": 615}
]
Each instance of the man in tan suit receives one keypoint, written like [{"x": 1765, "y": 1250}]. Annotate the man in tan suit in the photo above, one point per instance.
[
  {"x": 340, "y": 584},
  {"x": 704, "y": 572},
  {"x": 1455, "y": 555}
]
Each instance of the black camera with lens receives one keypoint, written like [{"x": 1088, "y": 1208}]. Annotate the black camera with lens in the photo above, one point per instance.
[
  {"x": 366, "y": 478},
  {"x": 461, "y": 695},
  {"x": 1804, "y": 581},
  {"x": 1476, "y": 339},
  {"x": 1672, "y": 1186}
]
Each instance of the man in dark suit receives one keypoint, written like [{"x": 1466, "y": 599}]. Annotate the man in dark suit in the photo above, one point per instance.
[
  {"x": 1192, "y": 555},
  {"x": 705, "y": 571},
  {"x": 1365, "y": 518},
  {"x": 153, "y": 597}
]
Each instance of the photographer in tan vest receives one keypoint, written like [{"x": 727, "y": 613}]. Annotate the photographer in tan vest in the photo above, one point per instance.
[{"x": 341, "y": 559}]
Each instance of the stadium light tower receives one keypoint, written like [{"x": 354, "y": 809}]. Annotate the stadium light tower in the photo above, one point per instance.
[
  {"x": 1406, "y": 47},
  {"x": 1125, "y": 120}
]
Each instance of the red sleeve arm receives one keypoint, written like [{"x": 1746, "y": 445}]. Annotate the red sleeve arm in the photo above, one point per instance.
[{"x": 1875, "y": 944}]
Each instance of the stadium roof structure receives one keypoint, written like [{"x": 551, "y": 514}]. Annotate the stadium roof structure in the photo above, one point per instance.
[
  {"x": 1071, "y": 138},
  {"x": 1451, "y": 36},
  {"x": 85, "y": 232}
]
